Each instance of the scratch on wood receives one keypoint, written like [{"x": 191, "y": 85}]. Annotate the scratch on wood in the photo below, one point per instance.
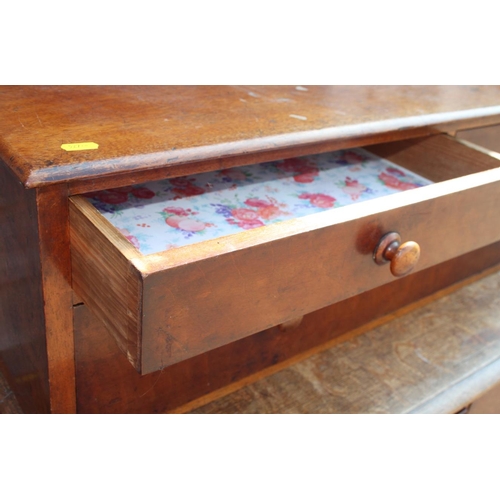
[
  {"x": 422, "y": 357},
  {"x": 8, "y": 395},
  {"x": 236, "y": 267},
  {"x": 154, "y": 383},
  {"x": 204, "y": 274},
  {"x": 273, "y": 259},
  {"x": 169, "y": 342}
]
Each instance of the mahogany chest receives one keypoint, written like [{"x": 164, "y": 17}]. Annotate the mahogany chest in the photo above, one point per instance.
[{"x": 99, "y": 314}]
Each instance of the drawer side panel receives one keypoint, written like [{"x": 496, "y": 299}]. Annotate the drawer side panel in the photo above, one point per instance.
[{"x": 106, "y": 279}]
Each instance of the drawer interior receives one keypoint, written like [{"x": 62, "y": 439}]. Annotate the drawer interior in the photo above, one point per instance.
[{"x": 172, "y": 213}]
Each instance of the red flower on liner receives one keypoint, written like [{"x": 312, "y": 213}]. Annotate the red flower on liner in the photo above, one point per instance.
[
  {"x": 112, "y": 197},
  {"x": 143, "y": 193},
  {"x": 319, "y": 200},
  {"x": 244, "y": 214}
]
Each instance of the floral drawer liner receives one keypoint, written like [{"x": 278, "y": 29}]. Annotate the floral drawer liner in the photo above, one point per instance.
[{"x": 157, "y": 216}]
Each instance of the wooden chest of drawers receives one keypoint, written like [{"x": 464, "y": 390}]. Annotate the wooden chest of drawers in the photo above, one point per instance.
[{"x": 196, "y": 318}]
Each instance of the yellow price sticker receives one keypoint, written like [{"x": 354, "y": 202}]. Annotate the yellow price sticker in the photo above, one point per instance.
[{"x": 79, "y": 146}]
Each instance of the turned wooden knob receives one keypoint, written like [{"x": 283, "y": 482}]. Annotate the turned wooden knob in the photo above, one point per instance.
[{"x": 402, "y": 256}]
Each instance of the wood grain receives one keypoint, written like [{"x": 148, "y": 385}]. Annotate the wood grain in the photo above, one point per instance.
[
  {"x": 426, "y": 360},
  {"x": 36, "y": 341},
  {"x": 105, "y": 276},
  {"x": 142, "y": 129},
  {"x": 157, "y": 132},
  {"x": 487, "y": 403},
  {"x": 107, "y": 383},
  {"x": 54, "y": 248},
  {"x": 440, "y": 158},
  {"x": 487, "y": 137},
  {"x": 193, "y": 308},
  {"x": 180, "y": 303},
  {"x": 23, "y": 358}
]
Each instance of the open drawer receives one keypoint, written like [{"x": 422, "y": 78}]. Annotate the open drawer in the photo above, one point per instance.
[{"x": 166, "y": 306}]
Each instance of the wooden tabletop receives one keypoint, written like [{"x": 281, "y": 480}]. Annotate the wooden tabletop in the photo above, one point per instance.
[{"x": 147, "y": 127}]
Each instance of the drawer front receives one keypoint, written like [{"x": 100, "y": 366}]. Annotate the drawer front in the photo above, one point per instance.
[{"x": 173, "y": 305}]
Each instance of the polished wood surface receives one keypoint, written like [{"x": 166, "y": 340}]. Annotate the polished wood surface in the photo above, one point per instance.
[
  {"x": 182, "y": 302},
  {"x": 275, "y": 354},
  {"x": 107, "y": 383},
  {"x": 436, "y": 358},
  {"x": 158, "y": 132},
  {"x": 54, "y": 248},
  {"x": 105, "y": 277},
  {"x": 139, "y": 129},
  {"x": 487, "y": 137},
  {"x": 445, "y": 157},
  {"x": 403, "y": 257},
  {"x": 291, "y": 324},
  {"x": 36, "y": 341},
  {"x": 488, "y": 403}
]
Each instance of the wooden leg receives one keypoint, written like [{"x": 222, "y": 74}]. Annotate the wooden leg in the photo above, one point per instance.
[
  {"x": 36, "y": 333},
  {"x": 53, "y": 221}
]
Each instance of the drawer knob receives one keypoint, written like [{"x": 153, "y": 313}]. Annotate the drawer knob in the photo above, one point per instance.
[{"x": 402, "y": 256}]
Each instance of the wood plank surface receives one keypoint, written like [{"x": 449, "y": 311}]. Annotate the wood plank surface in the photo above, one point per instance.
[
  {"x": 420, "y": 362},
  {"x": 208, "y": 127}
]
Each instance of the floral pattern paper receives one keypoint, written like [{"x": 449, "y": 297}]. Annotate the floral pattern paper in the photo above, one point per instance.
[{"x": 157, "y": 216}]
